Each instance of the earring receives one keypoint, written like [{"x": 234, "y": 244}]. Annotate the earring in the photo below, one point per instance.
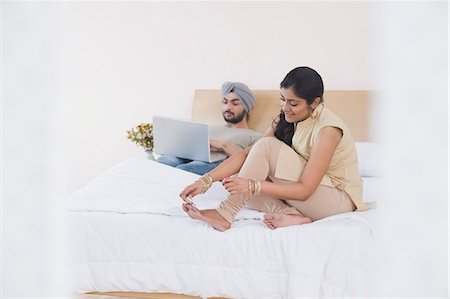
[{"x": 314, "y": 113}]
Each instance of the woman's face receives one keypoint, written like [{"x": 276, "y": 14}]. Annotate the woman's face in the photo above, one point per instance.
[{"x": 295, "y": 109}]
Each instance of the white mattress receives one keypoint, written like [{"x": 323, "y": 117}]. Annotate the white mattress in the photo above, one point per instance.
[{"x": 129, "y": 233}]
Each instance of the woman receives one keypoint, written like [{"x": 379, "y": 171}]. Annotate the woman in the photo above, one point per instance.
[{"x": 305, "y": 168}]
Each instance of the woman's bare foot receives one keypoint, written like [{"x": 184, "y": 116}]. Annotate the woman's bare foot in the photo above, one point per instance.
[
  {"x": 274, "y": 220},
  {"x": 212, "y": 217}
]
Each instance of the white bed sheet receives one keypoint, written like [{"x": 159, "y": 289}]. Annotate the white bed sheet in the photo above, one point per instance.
[{"x": 129, "y": 233}]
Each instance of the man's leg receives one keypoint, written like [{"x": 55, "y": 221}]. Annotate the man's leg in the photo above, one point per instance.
[
  {"x": 172, "y": 161},
  {"x": 199, "y": 167}
]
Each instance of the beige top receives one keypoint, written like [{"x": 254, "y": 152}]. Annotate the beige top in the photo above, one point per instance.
[{"x": 343, "y": 171}]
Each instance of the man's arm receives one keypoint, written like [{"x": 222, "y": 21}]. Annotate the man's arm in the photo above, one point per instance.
[
  {"x": 230, "y": 149},
  {"x": 225, "y": 147}
]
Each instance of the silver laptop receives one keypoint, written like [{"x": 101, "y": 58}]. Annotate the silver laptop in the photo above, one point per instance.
[{"x": 181, "y": 138}]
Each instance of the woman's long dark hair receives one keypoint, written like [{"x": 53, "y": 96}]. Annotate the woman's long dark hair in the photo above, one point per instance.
[{"x": 307, "y": 84}]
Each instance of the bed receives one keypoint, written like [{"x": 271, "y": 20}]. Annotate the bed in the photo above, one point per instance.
[{"x": 130, "y": 236}]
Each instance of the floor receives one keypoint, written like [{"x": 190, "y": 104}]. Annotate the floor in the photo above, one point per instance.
[{"x": 125, "y": 295}]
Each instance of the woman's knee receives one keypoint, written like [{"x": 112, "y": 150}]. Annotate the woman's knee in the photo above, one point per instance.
[
  {"x": 263, "y": 155},
  {"x": 267, "y": 144}
]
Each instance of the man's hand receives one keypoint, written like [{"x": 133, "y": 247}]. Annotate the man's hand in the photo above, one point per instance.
[
  {"x": 216, "y": 145},
  {"x": 223, "y": 147}
]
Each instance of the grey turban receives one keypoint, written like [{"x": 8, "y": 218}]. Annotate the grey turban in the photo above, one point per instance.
[{"x": 244, "y": 94}]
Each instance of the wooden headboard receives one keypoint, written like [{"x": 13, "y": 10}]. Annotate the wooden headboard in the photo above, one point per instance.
[{"x": 351, "y": 106}]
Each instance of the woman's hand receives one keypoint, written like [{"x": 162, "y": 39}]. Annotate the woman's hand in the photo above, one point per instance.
[
  {"x": 236, "y": 185},
  {"x": 190, "y": 191}
]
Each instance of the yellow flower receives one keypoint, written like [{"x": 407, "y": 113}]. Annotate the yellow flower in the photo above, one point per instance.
[{"x": 142, "y": 135}]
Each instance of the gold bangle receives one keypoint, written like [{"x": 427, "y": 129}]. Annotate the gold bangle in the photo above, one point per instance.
[
  {"x": 253, "y": 187},
  {"x": 206, "y": 181},
  {"x": 257, "y": 187}
]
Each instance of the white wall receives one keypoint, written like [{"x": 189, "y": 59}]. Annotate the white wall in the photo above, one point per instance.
[
  {"x": 33, "y": 190},
  {"x": 77, "y": 75},
  {"x": 411, "y": 119}
]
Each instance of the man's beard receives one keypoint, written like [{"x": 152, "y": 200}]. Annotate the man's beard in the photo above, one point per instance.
[{"x": 236, "y": 119}]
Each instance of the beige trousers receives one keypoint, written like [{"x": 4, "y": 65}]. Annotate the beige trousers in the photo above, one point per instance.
[{"x": 261, "y": 165}]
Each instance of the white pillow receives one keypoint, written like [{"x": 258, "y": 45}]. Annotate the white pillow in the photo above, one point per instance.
[{"x": 369, "y": 158}]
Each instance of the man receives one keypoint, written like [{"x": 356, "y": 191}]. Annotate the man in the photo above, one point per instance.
[{"x": 237, "y": 101}]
